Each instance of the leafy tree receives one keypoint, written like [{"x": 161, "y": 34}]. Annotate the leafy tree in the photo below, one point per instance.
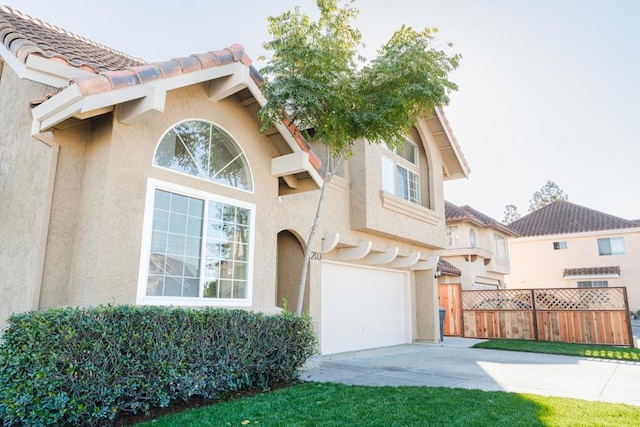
[
  {"x": 316, "y": 78},
  {"x": 510, "y": 214},
  {"x": 550, "y": 192}
]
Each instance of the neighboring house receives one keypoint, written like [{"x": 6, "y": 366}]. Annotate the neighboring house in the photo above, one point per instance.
[
  {"x": 125, "y": 182},
  {"x": 564, "y": 245},
  {"x": 476, "y": 248}
]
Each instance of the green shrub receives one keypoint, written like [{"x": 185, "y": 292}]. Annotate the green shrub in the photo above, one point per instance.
[{"x": 85, "y": 366}]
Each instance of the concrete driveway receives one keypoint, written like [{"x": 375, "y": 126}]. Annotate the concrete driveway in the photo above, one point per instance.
[{"x": 454, "y": 364}]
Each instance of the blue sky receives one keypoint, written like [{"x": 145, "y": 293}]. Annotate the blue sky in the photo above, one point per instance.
[{"x": 548, "y": 89}]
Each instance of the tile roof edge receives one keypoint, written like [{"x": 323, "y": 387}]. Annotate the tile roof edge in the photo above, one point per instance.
[{"x": 27, "y": 47}]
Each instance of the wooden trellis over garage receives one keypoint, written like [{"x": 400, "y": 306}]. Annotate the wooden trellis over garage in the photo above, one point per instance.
[{"x": 589, "y": 315}]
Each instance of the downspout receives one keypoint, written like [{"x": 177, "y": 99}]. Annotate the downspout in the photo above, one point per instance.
[{"x": 47, "y": 139}]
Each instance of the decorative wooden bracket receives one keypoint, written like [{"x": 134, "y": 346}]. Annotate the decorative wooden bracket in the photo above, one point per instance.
[
  {"x": 406, "y": 261},
  {"x": 427, "y": 264},
  {"x": 330, "y": 241},
  {"x": 385, "y": 257},
  {"x": 359, "y": 252}
]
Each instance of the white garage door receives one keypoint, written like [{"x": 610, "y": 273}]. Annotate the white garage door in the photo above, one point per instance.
[{"x": 363, "y": 308}]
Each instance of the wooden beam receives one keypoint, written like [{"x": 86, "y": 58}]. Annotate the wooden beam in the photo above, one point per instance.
[
  {"x": 384, "y": 257},
  {"x": 359, "y": 252},
  {"x": 330, "y": 241},
  {"x": 406, "y": 261}
]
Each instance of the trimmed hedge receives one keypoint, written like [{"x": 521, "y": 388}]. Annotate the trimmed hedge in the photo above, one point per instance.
[{"x": 85, "y": 366}]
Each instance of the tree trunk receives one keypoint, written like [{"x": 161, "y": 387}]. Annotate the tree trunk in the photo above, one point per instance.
[{"x": 316, "y": 220}]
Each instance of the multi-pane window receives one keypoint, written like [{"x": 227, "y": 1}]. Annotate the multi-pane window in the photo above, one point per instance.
[
  {"x": 611, "y": 246},
  {"x": 559, "y": 245},
  {"x": 400, "y": 175},
  {"x": 593, "y": 284},
  {"x": 201, "y": 149},
  {"x": 199, "y": 248},
  {"x": 501, "y": 246}
]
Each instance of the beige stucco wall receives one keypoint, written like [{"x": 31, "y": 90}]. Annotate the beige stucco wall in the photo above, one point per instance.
[
  {"x": 103, "y": 179},
  {"x": 535, "y": 264},
  {"x": 94, "y": 225},
  {"x": 354, "y": 208},
  {"x": 25, "y": 166}
]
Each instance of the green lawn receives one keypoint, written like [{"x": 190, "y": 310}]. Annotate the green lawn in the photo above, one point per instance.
[
  {"x": 582, "y": 350},
  {"x": 326, "y": 404}
]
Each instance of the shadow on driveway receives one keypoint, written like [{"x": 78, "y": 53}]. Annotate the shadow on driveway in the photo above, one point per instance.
[{"x": 455, "y": 364}]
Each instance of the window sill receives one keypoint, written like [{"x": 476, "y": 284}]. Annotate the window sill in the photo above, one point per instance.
[
  {"x": 193, "y": 302},
  {"x": 401, "y": 206}
]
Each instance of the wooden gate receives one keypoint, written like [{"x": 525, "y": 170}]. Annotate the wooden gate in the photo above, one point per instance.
[
  {"x": 574, "y": 315},
  {"x": 449, "y": 299}
]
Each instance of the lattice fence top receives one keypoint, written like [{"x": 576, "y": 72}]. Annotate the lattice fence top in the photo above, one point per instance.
[
  {"x": 512, "y": 299},
  {"x": 580, "y": 299},
  {"x": 545, "y": 299}
]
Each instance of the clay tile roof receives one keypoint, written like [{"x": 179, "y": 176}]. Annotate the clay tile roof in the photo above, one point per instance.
[
  {"x": 592, "y": 271},
  {"x": 23, "y": 35},
  {"x": 447, "y": 268},
  {"x": 466, "y": 213},
  {"x": 562, "y": 217}
]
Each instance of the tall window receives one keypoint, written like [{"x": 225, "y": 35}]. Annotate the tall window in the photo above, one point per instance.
[
  {"x": 501, "y": 246},
  {"x": 611, "y": 246},
  {"x": 401, "y": 173},
  {"x": 197, "y": 247},
  {"x": 201, "y": 149},
  {"x": 452, "y": 236}
]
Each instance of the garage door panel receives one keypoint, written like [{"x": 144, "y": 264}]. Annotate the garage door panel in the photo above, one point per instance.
[{"x": 363, "y": 308}]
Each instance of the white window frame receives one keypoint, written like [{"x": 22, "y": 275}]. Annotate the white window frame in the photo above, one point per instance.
[
  {"x": 411, "y": 169},
  {"x": 224, "y": 130},
  {"x": 502, "y": 252},
  {"x": 557, "y": 246},
  {"x": 142, "y": 298},
  {"x": 611, "y": 246},
  {"x": 453, "y": 239}
]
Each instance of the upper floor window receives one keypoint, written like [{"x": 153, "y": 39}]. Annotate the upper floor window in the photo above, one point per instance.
[
  {"x": 472, "y": 238},
  {"x": 201, "y": 149},
  {"x": 452, "y": 236},
  {"x": 401, "y": 173},
  {"x": 593, "y": 284},
  {"x": 501, "y": 246},
  {"x": 611, "y": 246},
  {"x": 559, "y": 245}
]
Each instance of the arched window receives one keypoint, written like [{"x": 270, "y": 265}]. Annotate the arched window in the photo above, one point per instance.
[{"x": 201, "y": 149}]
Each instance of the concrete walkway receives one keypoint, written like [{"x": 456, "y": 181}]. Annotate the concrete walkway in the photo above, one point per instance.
[{"x": 454, "y": 364}]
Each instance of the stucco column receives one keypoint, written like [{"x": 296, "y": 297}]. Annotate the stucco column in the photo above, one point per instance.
[{"x": 427, "y": 315}]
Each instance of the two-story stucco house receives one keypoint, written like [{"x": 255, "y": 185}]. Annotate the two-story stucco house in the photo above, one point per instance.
[
  {"x": 564, "y": 245},
  {"x": 127, "y": 182},
  {"x": 476, "y": 247}
]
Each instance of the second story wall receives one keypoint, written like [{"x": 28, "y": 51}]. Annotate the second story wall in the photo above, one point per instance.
[
  {"x": 541, "y": 262},
  {"x": 398, "y": 193}
]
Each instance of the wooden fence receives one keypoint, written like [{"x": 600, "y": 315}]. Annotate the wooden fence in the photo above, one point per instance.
[
  {"x": 589, "y": 315},
  {"x": 449, "y": 298}
]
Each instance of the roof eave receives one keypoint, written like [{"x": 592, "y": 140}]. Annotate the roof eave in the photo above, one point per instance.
[
  {"x": 42, "y": 70},
  {"x": 137, "y": 100},
  {"x": 460, "y": 168}
]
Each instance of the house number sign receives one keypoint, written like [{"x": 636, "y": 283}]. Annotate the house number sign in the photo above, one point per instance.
[{"x": 316, "y": 256}]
